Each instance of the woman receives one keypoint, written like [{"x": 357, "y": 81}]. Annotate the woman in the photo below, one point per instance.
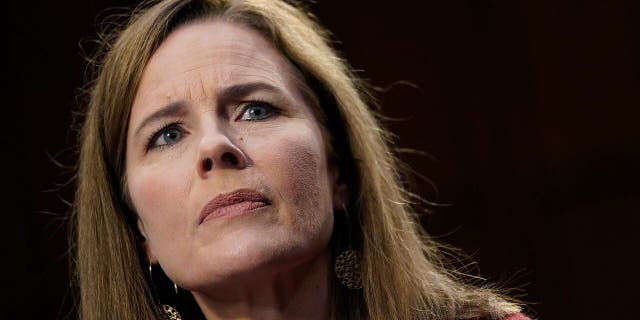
[{"x": 231, "y": 168}]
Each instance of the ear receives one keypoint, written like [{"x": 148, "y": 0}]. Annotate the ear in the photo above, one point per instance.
[
  {"x": 146, "y": 244},
  {"x": 340, "y": 189}
]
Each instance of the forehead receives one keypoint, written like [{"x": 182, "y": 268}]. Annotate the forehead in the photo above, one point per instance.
[{"x": 213, "y": 53}]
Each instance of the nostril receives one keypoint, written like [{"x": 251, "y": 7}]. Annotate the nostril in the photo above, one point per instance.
[
  {"x": 229, "y": 158},
  {"x": 207, "y": 164}
]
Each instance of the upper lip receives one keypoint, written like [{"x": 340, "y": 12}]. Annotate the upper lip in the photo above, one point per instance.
[{"x": 231, "y": 198}]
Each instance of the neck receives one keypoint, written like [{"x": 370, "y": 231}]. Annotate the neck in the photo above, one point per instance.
[{"x": 301, "y": 292}]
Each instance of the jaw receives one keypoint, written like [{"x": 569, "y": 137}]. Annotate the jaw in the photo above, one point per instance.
[{"x": 300, "y": 291}]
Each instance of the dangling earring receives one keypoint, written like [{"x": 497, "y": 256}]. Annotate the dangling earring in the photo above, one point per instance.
[
  {"x": 347, "y": 267},
  {"x": 169, "y": 313},
  {"x": 166, "y": 311}
]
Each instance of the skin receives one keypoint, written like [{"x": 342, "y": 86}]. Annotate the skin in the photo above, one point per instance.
[{"x": 270, "y": 263}]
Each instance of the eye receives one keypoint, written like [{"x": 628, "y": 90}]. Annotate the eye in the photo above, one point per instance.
[
  {"x": 166, "y": 136},
  {"x": 257, "y": 110}
]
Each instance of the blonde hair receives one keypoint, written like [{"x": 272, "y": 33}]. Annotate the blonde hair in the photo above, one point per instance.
[{"x": 404, "y": 274}]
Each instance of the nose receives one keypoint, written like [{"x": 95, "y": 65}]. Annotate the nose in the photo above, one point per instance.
[{"x": 218, "y": 152}]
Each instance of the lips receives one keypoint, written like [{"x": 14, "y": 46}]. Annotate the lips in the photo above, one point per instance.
[{"x": 233, "y": 203}]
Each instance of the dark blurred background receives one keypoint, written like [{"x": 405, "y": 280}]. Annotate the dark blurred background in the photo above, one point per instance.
[{"x": 528, "y": 111}]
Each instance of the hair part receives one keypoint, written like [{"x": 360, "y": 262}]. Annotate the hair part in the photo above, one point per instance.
[{"x": 404, "y": 273}]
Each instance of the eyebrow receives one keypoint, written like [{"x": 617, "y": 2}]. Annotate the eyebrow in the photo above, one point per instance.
[
  {"x": 240, "y": 91},
  {"x": 173, "y": 109},
  {"x": 225, "y": 96}
]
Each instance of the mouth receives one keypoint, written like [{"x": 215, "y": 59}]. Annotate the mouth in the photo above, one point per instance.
[{"x": 233, "y": 203}]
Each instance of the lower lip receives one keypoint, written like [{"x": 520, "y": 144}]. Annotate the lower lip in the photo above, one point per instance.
[{"x": 234, "y": 210}]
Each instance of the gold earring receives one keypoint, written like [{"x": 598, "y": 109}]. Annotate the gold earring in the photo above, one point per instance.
[
  {"x": 347, "y": 265},
  {"x": 169, "y": 313},
  {"x": 166, "y": 311}
]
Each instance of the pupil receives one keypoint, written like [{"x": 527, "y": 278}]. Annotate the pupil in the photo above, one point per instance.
[{"x": 257, "y": 112}]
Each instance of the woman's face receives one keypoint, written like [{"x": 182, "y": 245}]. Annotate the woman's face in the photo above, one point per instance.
[{"x": 225, "y": 163}]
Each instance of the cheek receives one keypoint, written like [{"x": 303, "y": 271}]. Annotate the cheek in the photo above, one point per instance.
[
  {"x": 156, "y": 195},
  {"x": 301, "y": 172},
  {"x": 298, "y": 172}
]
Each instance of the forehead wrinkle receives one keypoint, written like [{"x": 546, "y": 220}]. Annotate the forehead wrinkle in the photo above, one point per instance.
[
  {"x": 223, "y": 59},
  {"x": 192, "y": 91},
  {"x": 257, "y": 76},
  {"x": 274, "y": 77},
  {"x": 286, "y": 73},
  {"x": 268, "y": 70},
  {"x": 282, "y": 67},
  {"x": 203, "y": 87},
  {"x": 219, "y": 57},
  {"x": 254, "y": 57},
  {"x": 283, "y": 72},
  {"x": 263, "y": 64}
]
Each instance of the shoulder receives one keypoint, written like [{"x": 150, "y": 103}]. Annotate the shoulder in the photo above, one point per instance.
[
  {"x": 516, "y": 316},
  {"x": 513, "y": 316}
]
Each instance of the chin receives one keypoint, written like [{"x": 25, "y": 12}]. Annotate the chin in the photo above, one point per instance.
[{"x": 248, "y": 257}]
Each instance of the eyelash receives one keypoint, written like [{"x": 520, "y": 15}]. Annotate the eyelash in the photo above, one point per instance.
[
  {"x": 246, "y": 104},
  {"x": 156, "y": 134},
  {"x": 177, "y": 124}
]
